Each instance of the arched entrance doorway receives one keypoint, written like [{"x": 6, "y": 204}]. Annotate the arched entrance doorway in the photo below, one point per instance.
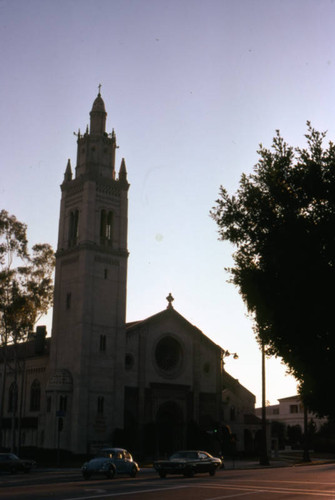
[{"x": 170, "y": 428}]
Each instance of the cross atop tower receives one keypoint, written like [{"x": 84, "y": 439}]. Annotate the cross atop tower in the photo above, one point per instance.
[
  {"x": 99, "y": 87},
  {"x": 170, "y": 299}
]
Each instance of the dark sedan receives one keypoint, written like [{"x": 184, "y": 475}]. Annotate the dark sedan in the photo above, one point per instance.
[
  {"x": 188, "y": 463},
  {"x": 11, "y": 463}
]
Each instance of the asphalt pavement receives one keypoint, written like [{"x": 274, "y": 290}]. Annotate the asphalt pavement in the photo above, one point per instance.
[{"x": 282, "y": 460}]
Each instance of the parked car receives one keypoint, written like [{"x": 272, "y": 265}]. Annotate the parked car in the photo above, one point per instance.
[
  {"x": 111, "y": 461},
  {"x": 12, "y": 463},
  {"x": 188, "y": 463}
]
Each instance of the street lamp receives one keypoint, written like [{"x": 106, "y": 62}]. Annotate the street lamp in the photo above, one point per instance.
[{"x": 226, "y": 354}]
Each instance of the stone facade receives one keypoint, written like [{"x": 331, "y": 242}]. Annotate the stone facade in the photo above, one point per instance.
[
  {"x": 153, "y": 385},
  {"x": 88, "y": 331},
  {"x": 173, "y": 377}
]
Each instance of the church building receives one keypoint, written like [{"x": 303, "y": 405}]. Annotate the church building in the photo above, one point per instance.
[{"x": 153, "y": 385}]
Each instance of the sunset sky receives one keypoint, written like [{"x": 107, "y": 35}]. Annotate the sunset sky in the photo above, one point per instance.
[{"x": 191, "y": 88}]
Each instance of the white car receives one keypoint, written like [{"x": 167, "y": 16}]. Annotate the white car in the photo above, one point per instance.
[{"x": 109, "y": 462}]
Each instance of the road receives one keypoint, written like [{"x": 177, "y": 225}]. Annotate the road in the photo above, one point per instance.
[{"x": 293, "y": 483}]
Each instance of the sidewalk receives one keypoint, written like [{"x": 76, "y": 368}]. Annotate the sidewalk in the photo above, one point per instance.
[
  {"x": 230, "y": 464},
  {"x": 283, "y": 460}
]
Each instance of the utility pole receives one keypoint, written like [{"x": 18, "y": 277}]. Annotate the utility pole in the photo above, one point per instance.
[
  {"x": 263, "y": 460},
  {"x": 306, "y": 457}
]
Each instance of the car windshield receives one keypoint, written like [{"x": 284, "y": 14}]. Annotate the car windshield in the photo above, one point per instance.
[
  {"x": 107, "y": 453},
  {"x": 8, "y": 456},
  {"x": 115, "y": 454},
  {"x": 184, "y": 454}
]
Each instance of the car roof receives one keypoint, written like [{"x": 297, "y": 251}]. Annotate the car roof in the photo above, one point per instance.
[
  {"x": 189, "y": 451},
  {"x": 105, "y": 448}
]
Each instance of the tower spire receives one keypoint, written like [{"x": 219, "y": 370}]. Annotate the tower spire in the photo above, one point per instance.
[{"x": 98, "y": 116}]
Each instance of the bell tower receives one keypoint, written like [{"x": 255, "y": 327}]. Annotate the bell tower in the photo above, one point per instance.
[{"x": 86, "y": 383}]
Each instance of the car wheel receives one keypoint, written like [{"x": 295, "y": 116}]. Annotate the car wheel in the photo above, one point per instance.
[
  {"x": 162, "y": 474},
  {"x": 212, "y": 472},
  {"x": 111, "y": 473},
  {"x": 133, "y": 472},
  {"x": 86, "y": 475}
]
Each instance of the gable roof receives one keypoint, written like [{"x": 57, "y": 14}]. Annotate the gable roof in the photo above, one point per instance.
[
  {"x": 233, "y": 385},
  {"x": 165, "y": 314},
  {"x": 293, "y": 399}
]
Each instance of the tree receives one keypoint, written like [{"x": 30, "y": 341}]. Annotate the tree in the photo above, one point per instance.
[
  {"x": 282, "y": 223},
  {"x": 26, "y": 285},
  {"x": 26, "y": 290}
]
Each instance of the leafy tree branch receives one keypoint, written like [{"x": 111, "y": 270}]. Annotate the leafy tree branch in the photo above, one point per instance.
[{"x": 281, "y": 221}]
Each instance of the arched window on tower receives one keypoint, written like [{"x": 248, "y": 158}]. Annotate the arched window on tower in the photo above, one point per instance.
[
  {"x": 12, "y": 398},
  {"x": 106, "y": 227},
  {"x": 35, "y": 396},
  {"x": 73, "y": 228}
]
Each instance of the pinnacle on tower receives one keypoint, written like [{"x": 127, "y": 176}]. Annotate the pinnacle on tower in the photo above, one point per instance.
[
  {"x": 68, "y": 172},
  {"x": 123, "y": 171}
]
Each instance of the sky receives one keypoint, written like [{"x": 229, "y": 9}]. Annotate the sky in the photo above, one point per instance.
[{"x": 191, "y": 87}]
